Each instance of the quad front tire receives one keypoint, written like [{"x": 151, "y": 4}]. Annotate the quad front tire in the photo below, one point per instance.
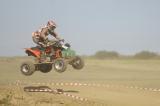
[{"x": 77, "y": 63}]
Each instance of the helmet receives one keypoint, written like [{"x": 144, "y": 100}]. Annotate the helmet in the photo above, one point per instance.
[{"x": 50, "y": 23}]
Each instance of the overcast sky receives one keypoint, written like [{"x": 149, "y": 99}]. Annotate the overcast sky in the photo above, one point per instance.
[{"x": 125, "y": 26}]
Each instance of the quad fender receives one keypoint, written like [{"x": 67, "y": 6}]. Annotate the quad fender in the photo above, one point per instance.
[
  {"x": 68, "y": 53},
  {"x": 35, "y": 53}
]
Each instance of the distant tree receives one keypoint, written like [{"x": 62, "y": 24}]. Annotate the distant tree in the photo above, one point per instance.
[
  {"x": 145, "y": 55},
  {"x": 106, "y": 54}
]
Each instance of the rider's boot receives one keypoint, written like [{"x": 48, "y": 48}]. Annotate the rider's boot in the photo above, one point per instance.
[
  {"x": 43, "y": 56},
  {"x": 52, "y": 52}
]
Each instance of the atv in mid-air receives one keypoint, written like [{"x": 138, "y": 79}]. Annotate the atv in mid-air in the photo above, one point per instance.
[{"x": 59, "y": 59}]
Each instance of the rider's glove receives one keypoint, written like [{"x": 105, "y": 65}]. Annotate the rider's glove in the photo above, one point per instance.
[
  {"x": 46, "y": 40},
  {"x": 62, "y": 40},
  {"x": 42, "y": 44}
]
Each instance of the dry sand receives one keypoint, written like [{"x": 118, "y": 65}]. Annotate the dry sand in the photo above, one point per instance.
[{"x": 102, "y": 83}]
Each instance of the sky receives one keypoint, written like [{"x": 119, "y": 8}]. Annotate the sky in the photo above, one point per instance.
[{"x": 125, "y": 26}]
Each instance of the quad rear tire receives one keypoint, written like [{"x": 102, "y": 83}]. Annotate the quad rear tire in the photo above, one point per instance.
[
  {"x": 60, "y": 65},
  {"x": 45, "y": 68},
  {"x": 27, "y": 68}
]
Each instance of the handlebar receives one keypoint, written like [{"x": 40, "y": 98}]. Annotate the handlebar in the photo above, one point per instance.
[{"x": 55, "y": 42}]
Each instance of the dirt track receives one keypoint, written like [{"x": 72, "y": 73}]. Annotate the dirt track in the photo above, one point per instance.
[
  {"x": 100, "y": 94},
  {"x": 102, "y": 83}
]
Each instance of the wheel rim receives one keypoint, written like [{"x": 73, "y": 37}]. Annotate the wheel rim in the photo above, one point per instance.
[
  {"x": 25, "y": 68},
  {"x": 59, "y": 65},
  {"x": 77, "y": 62}
]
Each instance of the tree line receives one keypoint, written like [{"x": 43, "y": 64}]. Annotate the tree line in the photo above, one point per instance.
[{"x": 103, "y": 54}]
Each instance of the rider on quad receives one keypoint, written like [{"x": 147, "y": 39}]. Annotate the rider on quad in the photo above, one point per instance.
[{"x": 40, "y": 37}]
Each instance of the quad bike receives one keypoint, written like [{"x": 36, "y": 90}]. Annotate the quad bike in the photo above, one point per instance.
[{"x": 57, "y": 55}]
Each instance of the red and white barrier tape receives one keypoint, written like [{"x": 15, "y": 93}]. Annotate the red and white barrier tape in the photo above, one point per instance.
[
  {"x": 55, "y": 91},
  {"x": 18, "y": 83},
  {"x": 91, "y": 85}
]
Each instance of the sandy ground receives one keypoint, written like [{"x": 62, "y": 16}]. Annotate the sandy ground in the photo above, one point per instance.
[
  {"x": 92, "y": 96},
  {"x": 102, "y": 83}
]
